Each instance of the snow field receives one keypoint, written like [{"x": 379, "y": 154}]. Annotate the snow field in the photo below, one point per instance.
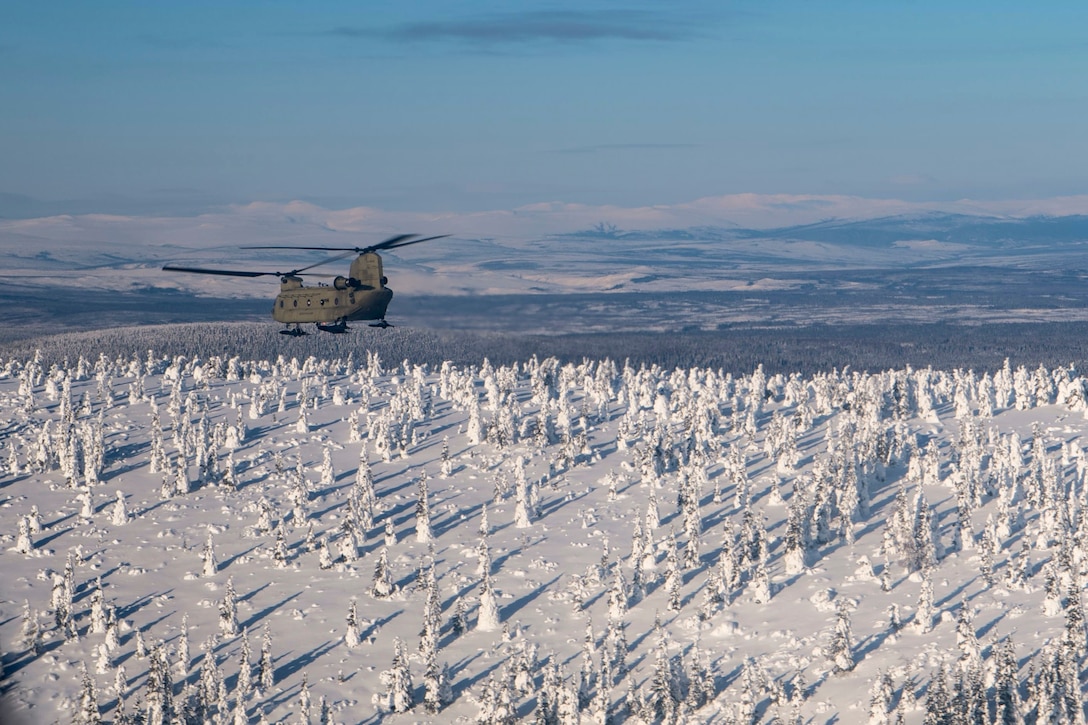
[{"x": 330, "y": 540}]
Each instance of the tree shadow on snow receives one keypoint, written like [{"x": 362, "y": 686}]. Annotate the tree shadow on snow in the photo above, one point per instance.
[
  {"x": 304, "y": 659},
  {"x": 226, "y": 563},
  {"x": 268, "y": 610},
  {"x": 518, "y": 604},
  {"x": 128, "y": 610},
  {"x": 53, "y": 537}
]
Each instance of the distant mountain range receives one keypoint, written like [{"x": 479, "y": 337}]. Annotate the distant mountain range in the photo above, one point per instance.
[
  {"x": 122, "y": 253},
  {"x": 972, "y": 230}
]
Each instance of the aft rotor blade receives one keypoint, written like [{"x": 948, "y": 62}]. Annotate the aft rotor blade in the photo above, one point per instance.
[
  {"x": 222, "y": 272},
  {"x": 388, "y": 243},
  {"x": 356, "y": 250},
  {"x": 336, "y": 258},
  {"x": 413, "y": 241}
]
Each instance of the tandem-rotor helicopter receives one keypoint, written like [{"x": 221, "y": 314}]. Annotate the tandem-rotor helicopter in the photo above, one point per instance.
[{"x": 362, "y": 295}]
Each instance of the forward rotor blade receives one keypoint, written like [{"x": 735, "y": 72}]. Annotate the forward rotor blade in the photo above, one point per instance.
[
  {"x": 221, "y": 272},
  {"x": 400, "y": 240}
]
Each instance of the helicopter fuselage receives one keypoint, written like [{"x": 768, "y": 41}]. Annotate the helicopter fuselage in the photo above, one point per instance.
[{"x": 361, "y": 296}]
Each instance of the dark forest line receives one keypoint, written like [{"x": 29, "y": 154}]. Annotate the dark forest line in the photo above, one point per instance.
[{"x": 805, "y": 350}]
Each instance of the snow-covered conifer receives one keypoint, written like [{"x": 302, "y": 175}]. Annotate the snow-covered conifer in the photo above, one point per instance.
[
  {"x": 182, "y": 651},
  {"x": 266, "y": 677},
  {"x": 617, "y": 595},
  {"x": 840, "y": 651},
  {"x": 475, "y": 429},
  {"x": 34, "y": 521},
  {"x": 424, "y": 534},
  {"x": 211, "y": 567},
  {"x": 181, "y": 477},
  {"x": 327, "y": 475},
  {"x": 673, "y": 576},
  {"x": 382, "y": 588},
  {"x": 352, "y": 634},
  {"x": 119, "y": 513},
  {"x": 437, "y": 687},
  {"x": 86, "y": 511},
  {"x": 881, "y": 693},
  {"x": 1075, "y": 633},
  {"x": 522, "y": 509},
  {"x": 459, "y": 618},
  {"x": 923, "y": 552},
  {"x": 159, "y": 689},
  {"x": 98, "y": 609},
  {"x": 966, "y": 639},
  {"x": 279, "y": 548},
  {"x": 348, "y": 544},
  {"x": 938, "y": 701},
  {"x": 761, "y": 589},
  {"x": 324, "y": 556},
  {"x": 208, "y": 684},
  {"x": 1052, "y": 602},
  {"x": 29, "y": 637},
  {"x": 265, "y": 522},
  {"x": 304, "y": 701},
  {"x": 398, "y": 696},
  {"x": 488, "y": 618},
  {"x": 923, "y": 617},
  {"x": 436, "y": 677},
  {"x": 245, "y": 670},
  {"x": 1006, "y": 685},
  {"x": 587, "y": 675},
  {"x": 228, "y": 610},
  {"x": 666, "y": 691},
  {"x": 446, "y": 465},
  {"x": 87, "y": 712},
  {"x": 362, "y": 499},
  {"x": 23, "y": 543}
]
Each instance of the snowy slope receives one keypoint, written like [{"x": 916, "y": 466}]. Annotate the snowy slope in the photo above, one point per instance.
[{"x": 662, "y": 545}]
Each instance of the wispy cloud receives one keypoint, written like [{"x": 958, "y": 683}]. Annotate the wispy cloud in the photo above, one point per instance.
[
  {"x": 540, "y": 26},
  {"x": 623, "y": 147}
]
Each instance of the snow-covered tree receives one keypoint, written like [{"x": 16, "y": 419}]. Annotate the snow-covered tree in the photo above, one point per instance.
[
  {"x": 840, "y": 651},
  {"x": 397, "y": 680},
  {"x": 211, "y": 567},
  {"x": 352, "y": 634},
  {"x": 424, "y": 534},
  {"x": 383, "y": 586},
  {"x": 228, "y": 610}
]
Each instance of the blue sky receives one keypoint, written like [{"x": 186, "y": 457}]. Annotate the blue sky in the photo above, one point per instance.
[{"x": 433, "y": 106}]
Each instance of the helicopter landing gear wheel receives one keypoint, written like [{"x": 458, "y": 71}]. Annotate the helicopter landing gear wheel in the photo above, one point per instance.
[
  {"x": 295, "y": 331},
  {"x": 380, "y": 323},
  {"x": 337, "y": 328}
]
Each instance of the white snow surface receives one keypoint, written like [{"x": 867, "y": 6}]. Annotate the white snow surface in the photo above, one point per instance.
[{"x": 594, "y": 473}]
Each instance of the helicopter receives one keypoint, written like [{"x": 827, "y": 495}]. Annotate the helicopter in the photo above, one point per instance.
[{"x": 362, "y": 295}]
